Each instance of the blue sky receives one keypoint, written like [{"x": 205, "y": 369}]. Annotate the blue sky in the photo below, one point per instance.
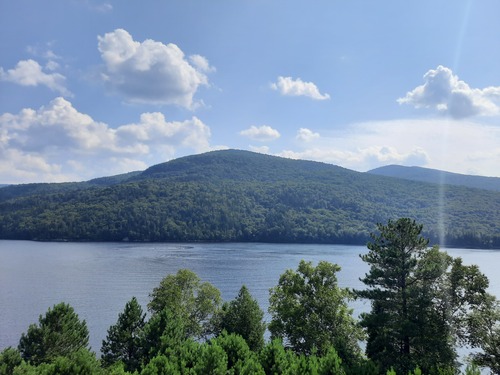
[{"x": 92, "y": 88}]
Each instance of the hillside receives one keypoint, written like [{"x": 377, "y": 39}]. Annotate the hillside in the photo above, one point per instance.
[
  {"x": 438, "y": 177},
  {"x": 243, "y": 196}
]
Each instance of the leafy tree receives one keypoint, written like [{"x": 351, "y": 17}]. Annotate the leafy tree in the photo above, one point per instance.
[
  {"x": 485, "y": 329},
  {"x": 244, "y": 317},
  {"x": 59, "y": 333},
  {"x": 123, "y": 341},
  {"x": 310, "y": 312},
  {"x": 190, "y": 299}
]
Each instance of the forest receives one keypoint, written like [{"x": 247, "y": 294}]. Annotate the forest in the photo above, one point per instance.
[
  {"x": 242, "y": 196},
  {"x": 424, "y": 305}
]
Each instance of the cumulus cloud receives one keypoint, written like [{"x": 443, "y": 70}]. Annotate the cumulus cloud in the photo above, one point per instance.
[
  {"x": 296, "y": 87},
  {"x": 460, "y": 146},
  {"x": 444, "y": 92},
  {"x": 30, "y": 73},
  {"x": 59, "y": 143},
  {"x": 150, "y": 71},
  {"x": 306, "y": 135},
  {"x": 362, "y": 158},
  {"x": 262, "y": 133}
]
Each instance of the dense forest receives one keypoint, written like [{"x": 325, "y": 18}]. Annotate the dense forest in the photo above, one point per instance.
[
  {"x": 242, "y": 196},
  {"x": 424, "y": 304}
]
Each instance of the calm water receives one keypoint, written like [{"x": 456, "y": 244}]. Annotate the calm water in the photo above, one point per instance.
[{"x": 98, "y": 279}]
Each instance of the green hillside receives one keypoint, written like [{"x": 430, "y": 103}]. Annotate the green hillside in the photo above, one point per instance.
[
  {"x": 243, "y": 196},
  {"x": 438, "y": 177}
]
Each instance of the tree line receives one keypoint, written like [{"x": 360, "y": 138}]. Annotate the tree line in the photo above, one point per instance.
[
  {"x": 424, "y": 305},
  {"x": 246, "y": 197}
]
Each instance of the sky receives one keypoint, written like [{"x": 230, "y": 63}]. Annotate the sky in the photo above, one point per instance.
[{"x": 92, "y": 88}]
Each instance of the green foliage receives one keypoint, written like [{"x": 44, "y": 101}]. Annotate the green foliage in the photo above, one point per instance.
[
  {"x": 274, "y": 359},
  {"x": 160, "y": 365},
  {"x": 9, "y": 359},
  {"x": 423, "y": 301},
  {"x": 446, "y": 303},
  {"x": 484, "y": 324},
  {"x": 164, "y": 332},
  {"x": 244, "y": 317},
  {"x": 80, "y": 362},
  {"x": 213, "y": 360},
  {"x": 404, "y": 328},
  {"x": 242, "y": 196},
  {"x": 123, "y": 341},
  {"x": 310, "y": 312},
  {"x": 58, "y": 333},
  {"x": 187, "y": 297},
  {"x": 331, "y": 363}
]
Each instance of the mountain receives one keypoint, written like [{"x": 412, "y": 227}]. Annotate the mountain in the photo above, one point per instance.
[
  {"x": 234, "y": 195},
  {"x": 438, "y": 177}
]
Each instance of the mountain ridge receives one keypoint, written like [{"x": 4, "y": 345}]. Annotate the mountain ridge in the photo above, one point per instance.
[
  {"x": 437, "y": 176},
  {"x": 234, "y": 195}
]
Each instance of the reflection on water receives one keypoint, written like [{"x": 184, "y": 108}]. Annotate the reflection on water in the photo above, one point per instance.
[{"x": 97, "y": 279}]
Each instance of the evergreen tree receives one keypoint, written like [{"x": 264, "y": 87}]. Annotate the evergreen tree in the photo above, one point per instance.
[
  {"x": 9, "y": 359},
  {"x": 59, "y": 333},
  {"x": 274, "y": 359},
  {"x": 123, "y": 341},
  {"x": 243, "y": 316},
  {"x": 419, "y": 308},
  {"x": 164, "y": 333}
]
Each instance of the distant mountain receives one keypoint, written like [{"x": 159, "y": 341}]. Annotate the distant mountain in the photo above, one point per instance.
[
  {"x": 234, "y": 195},
  {"x": 438, "y": 177}
]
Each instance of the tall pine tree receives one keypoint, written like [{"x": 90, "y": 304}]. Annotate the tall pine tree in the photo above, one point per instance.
[
  {"x": 421, "y": 300},
  {"x": 123, "y": 341}
]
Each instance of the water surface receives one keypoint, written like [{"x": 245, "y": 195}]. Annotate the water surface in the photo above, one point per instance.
[{"x": 98, "y": 279}]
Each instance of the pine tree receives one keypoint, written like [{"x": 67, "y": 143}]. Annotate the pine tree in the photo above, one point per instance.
[
  {"x": 407, "y": 326},
  {"x": 123, "y": 341},
  {"x": 243, "y": 316},
  {"x": 59, "y": 333}
]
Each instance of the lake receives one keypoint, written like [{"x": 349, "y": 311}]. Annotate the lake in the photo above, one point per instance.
[{"x": 98, "y": 279}]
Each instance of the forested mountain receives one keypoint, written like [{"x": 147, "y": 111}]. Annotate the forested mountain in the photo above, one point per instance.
[
  {"x": 438, "y": 177},
  {"x": 236, "y": 195}
]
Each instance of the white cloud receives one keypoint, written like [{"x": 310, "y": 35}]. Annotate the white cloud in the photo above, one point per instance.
[
  {"x": 306, "y": 135},
  {"x": 151, "y": 72},
  {"x": 96, "y": 6},
  {"x": 58, "y": 143},
  {"x": 296, "y": 87},
  {"x": 444, "y": 92},
  {"x": 362, "y": 158},
  {"x": 447, "y": 144},
  {"x": 259, "y": 149},
  {"x": 262, "y": 133},
  {"x": 30, "y": 73},
  {"x": 201, "y": 63}
]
